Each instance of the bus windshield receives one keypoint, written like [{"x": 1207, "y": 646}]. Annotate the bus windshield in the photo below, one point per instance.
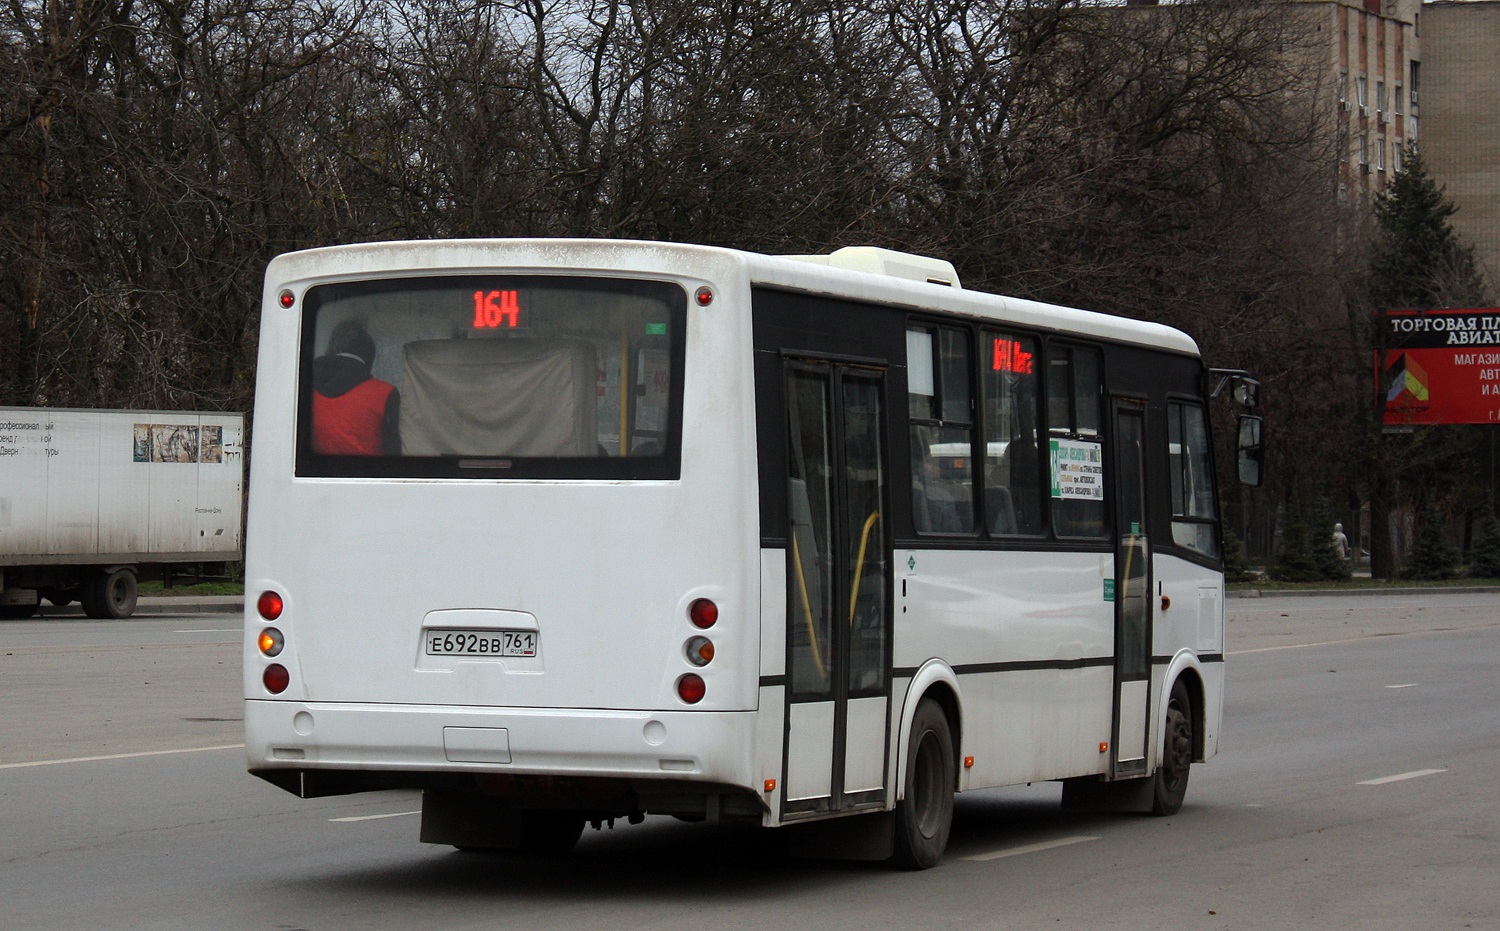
[{"x": 492, "y": 376}]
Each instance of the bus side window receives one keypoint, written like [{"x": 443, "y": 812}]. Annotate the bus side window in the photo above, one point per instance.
[
  {"x": 940, "y": 408},
  {"x": 1076, "y": 448},
  {"x": 1012, "y": 461},
  {"x": 1194, "y": 511}
]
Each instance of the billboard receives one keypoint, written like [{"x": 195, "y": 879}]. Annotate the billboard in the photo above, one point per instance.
[{"x": 1440, "y": 366}]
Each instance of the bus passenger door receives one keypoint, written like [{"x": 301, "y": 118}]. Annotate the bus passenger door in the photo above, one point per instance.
[
  {"x": 1132, "y": 593},
  {"x": 838, "y": 585}
]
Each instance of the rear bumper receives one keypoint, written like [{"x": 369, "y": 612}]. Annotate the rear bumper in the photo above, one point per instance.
[{"x": 706, "y": 746}]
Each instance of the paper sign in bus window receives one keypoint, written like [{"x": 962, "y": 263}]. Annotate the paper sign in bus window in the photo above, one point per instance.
[{"x": 1077, "y": 470}]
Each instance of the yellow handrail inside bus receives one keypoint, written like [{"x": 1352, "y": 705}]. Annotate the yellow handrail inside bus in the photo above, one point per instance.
[
  {"x": 1131, "y": 542},
  {"x": 859, "y": 563},
  {"x": 812, "y": 632}
]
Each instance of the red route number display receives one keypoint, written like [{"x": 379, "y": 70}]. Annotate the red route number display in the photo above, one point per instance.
[
  {"x": 495, "y": 309},
  {"x": 1008, "y": 356}
]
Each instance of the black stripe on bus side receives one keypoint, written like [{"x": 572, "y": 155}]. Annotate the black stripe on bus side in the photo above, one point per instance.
[
  {"x": 1027, "y": 665},
  {"x": 1202, "y": 658},
  {"x": 1031, "y": 665}
]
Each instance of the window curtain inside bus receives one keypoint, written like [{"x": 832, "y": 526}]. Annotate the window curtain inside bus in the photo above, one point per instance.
[{"x": 499, "y": 397}]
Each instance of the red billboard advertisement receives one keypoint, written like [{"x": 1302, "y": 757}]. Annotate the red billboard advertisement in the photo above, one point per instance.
[{"x": 1440, "y": 366}]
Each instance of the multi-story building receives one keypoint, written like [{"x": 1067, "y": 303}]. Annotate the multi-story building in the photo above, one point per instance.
[
  {"x": 1461, "y": 125},
  {"x": 1425, "y": 74},
  {"x": 1383, "y": 94},
  {"x": 1367, "y": 57},
  {"x": 1373, "y": 53}
]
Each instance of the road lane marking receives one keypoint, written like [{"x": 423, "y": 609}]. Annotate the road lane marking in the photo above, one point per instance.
[
  {"x": 1408, "y": 685},
  {"x": 1377, "y": 635},
  {"x": 393, "y": 814},
  {"x": 1031, "y": 848},
  {"x": 1414, "y": 774},
  {"x": 119, "y": 756}
]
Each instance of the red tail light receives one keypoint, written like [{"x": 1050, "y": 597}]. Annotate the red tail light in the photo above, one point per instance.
[
  {"x": 269, "y": 604},
  {"x": 690, "y": 688},
  {"x": 703, "y": 613},
  {"x": 276, "y": 678}
]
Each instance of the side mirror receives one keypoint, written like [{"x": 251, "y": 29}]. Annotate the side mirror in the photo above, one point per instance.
[
  {"x": 1249, "y": 449},
  {"x": 1246, "y": 392}
]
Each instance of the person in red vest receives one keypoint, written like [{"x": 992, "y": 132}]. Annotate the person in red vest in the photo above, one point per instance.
[{"x": 354, "y": 413}]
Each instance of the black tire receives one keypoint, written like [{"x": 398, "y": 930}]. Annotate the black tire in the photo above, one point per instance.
[
  {"x": 110, "y": 594},
  {"x": 1171, "y": 780},
  {"x": 551, "y": 833},
  {"x": 925, "y": 816}
]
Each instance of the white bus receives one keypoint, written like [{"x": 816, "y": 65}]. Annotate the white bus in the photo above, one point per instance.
[{"x": 563, "y": 531}]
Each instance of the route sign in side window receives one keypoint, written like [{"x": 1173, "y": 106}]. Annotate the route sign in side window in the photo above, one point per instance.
[{"x": 1075, "y": 446}]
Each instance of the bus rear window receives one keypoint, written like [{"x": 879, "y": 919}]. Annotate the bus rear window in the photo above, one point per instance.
[{"x": 492, "y": 377}]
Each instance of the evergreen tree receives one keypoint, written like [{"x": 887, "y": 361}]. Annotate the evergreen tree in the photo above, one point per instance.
[
  {"x": 1431, "y": 556},
  {"x": 1418, "y": 260},
  {"x": 1294, "y": 560},
  {"x": 1484, "y": 559},
  {"x": 1236, "y": 564}
]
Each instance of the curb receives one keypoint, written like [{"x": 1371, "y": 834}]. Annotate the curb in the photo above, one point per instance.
[
  {"x": 157, "y": 607},
  {"x": 1320, "y": 592}
]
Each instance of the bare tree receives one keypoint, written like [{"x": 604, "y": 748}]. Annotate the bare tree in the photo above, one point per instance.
[{"x": 1165, "y": 162}]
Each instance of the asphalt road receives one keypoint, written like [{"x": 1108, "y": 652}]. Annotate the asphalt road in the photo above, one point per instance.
[{"x": 1354, "y": 789}]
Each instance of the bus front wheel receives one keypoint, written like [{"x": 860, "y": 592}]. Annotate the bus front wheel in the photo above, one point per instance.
[
  {"x": 1171, "y": 779},
  {"x": 925, "y": 816}
]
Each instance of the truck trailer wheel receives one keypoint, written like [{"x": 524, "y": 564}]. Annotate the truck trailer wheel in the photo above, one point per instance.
[{"x": 110, "y": 594}]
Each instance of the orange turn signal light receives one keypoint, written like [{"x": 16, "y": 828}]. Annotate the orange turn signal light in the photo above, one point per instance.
[{"x": 271, "y": 641}]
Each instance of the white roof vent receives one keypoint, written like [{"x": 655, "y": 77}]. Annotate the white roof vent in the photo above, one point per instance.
[{"x": 888, "y": 262}]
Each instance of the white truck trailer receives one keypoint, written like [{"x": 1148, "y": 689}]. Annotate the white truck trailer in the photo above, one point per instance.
[{"x": 91, "y": 499}]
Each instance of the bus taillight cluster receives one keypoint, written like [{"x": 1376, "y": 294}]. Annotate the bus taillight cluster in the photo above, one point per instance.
[
  {"x": 276, "y": 678},
  {"x": 699, "y": 650}
]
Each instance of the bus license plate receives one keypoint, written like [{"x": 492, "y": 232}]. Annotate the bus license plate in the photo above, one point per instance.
[{"x": 442, "y": 642}]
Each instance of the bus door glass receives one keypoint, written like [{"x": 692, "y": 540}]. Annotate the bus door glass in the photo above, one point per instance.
[
  {"x": 838, "y": 569},
  {"x": 1132, "y": 592}
]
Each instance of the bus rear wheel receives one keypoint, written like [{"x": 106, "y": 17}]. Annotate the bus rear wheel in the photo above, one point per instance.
[
  {"x": 549, "y": 832},
  {"x": 1171, "y": 779},
  {"x": 925, "y": 816}
]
